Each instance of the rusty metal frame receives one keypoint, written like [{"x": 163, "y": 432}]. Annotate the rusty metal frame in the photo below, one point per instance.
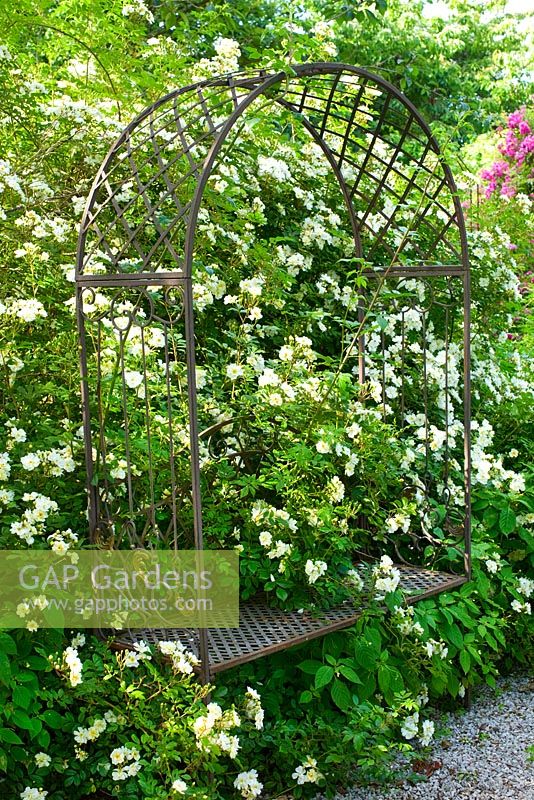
[{"x": 297, "y": 93}]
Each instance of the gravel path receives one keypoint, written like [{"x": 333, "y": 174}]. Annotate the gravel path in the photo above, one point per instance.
[{"x": 482, "y": 754}]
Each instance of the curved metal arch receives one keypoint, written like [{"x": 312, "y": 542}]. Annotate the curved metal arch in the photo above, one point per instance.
[
  {"x": 254, "y": 86},
  {"x": 257, "y": 84},
  {"x": 305, "y": 70}
]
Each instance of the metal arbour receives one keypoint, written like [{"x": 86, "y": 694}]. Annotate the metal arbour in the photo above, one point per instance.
[{"x": 134, "y": 277}]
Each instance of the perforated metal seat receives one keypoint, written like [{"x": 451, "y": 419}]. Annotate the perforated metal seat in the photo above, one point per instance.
[{"x": 264, "y": 630}]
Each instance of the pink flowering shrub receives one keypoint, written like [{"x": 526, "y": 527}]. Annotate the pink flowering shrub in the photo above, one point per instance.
[{"x": 515, "y": 171}]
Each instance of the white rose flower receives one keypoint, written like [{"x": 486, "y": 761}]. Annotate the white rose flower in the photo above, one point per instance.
[
  {"x": 30, "y": 461},
  {"x": 132, "y": 378},
  {"x": 410, "y": 726},
  {"x": 315, "y": 570},
  {"x": 248, "y": 784},
  {"x": 428, "y": 732},
  {"x": 234, "y": 371},
  {"x": 266, "y": 539}
]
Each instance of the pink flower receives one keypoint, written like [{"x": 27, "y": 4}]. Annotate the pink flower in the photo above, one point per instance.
[
  {"x": 509, "y": 147},
  {"x": 507, "y": 190},
  {"x": 500, "y": 169},
  {"x": 516, "y": 117},
  {"x": 524, "y": 128}
]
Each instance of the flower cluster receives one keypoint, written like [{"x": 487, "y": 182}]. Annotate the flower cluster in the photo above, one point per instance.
[
  {"x": 71, "y": 662},
  {"x": 525, "y": 588},
  {"x": 38, "y": 509},
  {"x": 386, "y": 577},
  {"x": 248, "y": 784},
  {"x": 279, "y": 520},
  {"x": 132, "y": 658},
  {"x": 42, "y": 760},
  {"x": 315, "y": 569},
  {"x": 137, "y": 8},
  {"x": 433, "y": 647},
  {"x": 404, "y": 620},
  {"x": 253, "y": 709},
  {"x": 26, "y": 310},
  {"x": 225, "y": 60},
  {"x": 126, "y": 762},
  {"x": 517, "y": 147},
  {"x": 182, "y": 660},
  {"x": 493, "y": 562},
  {"x": 307, "y": 772},
  {"x": 92, "y": 733},
  {"x": 410, "y": 729},
  {"x": 211, "y": 730},
  {"x": 27, "y": 605},
  {"x": 30, "y": 793}
]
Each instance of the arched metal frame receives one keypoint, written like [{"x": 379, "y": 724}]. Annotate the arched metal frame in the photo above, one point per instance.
[{"x": 138, "y": 230}]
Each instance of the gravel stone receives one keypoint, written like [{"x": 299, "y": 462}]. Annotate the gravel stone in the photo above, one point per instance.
[{"x": 483, "y": 752}]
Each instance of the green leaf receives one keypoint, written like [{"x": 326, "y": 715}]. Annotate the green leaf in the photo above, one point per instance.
[
  {"x": 309, "y": 667},
  {"x": 507, "y": 520},
  {"x": 438, "y": 683},
  {"x": 389, "y": 680},
  {"x": 22, "y": 697},
  {"x": 7, "y": 644},
  {"x": 341, "y": 695},
  {"x": 38, "y": 662},
  {"x": 454, "y": 635},
  {"x": 52, "y": 719},
  {"x": 368, "y": 687},
  {"x": 306, "y": 697},
  {"x": 323, "y": 676},
  {"x": 22, "y": 720},
  {"x": 465, "y": 661},
  {"x": 27, "y": 676},
  {"x": 9, "y": 736},
  {"x": 453, "y": 684},
  {"x": 5, "y": 669},
  {"x": 366, "y": 656},
  {"x": 43, "y": 739},
  {"x": 349, "y": 674}
]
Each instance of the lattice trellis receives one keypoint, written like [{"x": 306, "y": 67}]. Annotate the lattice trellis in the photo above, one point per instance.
[{"x": 134, "y": 277}]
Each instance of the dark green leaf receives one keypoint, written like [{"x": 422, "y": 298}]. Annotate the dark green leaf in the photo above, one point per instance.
[
  {"x": 9, "y": 736},
  {"x": 52, "y": 719},
  {"x": 507, "y": 520},
  {"x": 309, "y": 667},
  {"x": 465, "y": 661},
  {"x": 323, "y": 676},
  {"x": 341, "y": 695},
  {"x": 22, "y": 697},
  {"x": 349, "y": 674},
  {"x": 5, "y": 669},
  {"x": 7, "y": 644}
]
